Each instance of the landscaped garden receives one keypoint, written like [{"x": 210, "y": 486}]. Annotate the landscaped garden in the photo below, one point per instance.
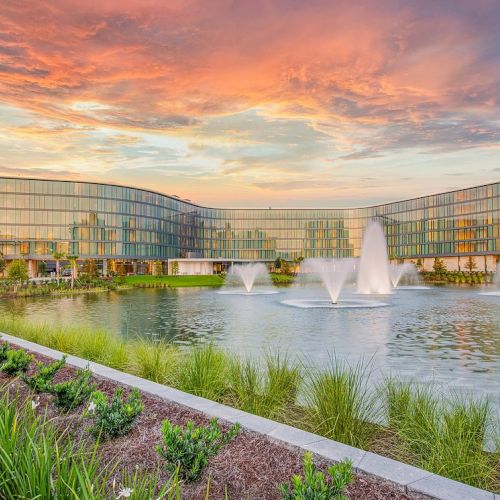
[
  {"x": 65, "y": 433},
  {"x": 417, "y": 424}
]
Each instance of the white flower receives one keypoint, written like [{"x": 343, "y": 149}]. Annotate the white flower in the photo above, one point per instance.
[
  {"x": 91, "y": 408},
  {"x": 124, "y": 493},
  {"x": 34, "y": 403}
]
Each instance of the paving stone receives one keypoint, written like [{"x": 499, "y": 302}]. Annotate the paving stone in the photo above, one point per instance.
[
  {"x": 257, "y": 424},
  {"x": 225, "y": 413},
  {"x": 294, "y": 436},
  {"x": 392, "y": 470},
  {"x": 447, "y": 489},
  {"x": 336, "y": 451}
]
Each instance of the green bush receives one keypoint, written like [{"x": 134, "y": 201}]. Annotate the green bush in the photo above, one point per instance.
[
  {"x": 188, "y": 451},
  {"x": 41, "y": 381},
  {"x": 16, "y": 362},
  {"x": 115, "y": 418},
  {"x": 4, "y": 348},
  {"x": 73, "y": 393},
  {"x": 314, "y": 485}
]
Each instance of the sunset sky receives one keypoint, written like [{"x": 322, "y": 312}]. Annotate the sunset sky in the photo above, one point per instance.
[{"x": 254, "y": 102}]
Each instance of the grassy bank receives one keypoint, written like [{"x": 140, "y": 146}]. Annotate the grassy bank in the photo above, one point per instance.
[
  {"x": 170, "y": 281},
  {"x": 86, "y": 285},
  {"x": 434, "y": 431}
]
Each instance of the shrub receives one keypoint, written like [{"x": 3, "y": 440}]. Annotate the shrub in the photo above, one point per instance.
[
  {"x": 4, "y": 348},
  {"x": 117, "y": 417},
  {"x": 314, "y": 485},
  {"x": 73, "y": 393},
  {"x": 188, "y": 451},
  {"x": 41, "y": 381},
  {"x": 16, "y": 362}
]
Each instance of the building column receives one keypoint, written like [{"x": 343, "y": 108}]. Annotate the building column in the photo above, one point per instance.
[
  {"x": 104, "y": 267},
  {"x": 32, "y": 268}
]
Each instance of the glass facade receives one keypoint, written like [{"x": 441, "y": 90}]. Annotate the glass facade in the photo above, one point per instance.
[{"x": 104, "y": 221}]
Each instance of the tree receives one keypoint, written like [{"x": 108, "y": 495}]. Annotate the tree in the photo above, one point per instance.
[
  {"x": 158, "y": 268},
  {"x": 285, "y": 267},
  {"x": 278, "y": 263},
  {"x": 72, "y": 260},
  {"x": 17, "y": 272},
  {"x": 470, "y": 265},
  {"x": 175, "y": 268},
  {"x": 41, "y": 268},
  {"x": 418, "y": 264},
  {"x": 439, "y": 265},
  {"x": 90, "y": 268},
  {"x": 3, "y": 264},
  {"x": 58, "y": 256}
]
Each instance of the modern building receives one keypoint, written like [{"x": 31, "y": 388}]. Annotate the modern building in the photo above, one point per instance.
[{"x": 130, "y": 230}]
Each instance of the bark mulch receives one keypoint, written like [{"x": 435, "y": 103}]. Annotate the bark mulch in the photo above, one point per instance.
[{"x": 249, "y": 467}]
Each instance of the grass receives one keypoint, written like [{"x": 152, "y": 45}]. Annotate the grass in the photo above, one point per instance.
[
  {"x": 339, "y": 404},
  {"x": 171, "y": 281},
  {"x": 443, "y": 437},
  {"x": 37, "y": 460},
  {"x": 205, "y": 372},
  {"x": 159, "y": 361}
]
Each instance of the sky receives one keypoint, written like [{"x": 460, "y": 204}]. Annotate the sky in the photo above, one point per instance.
[{"x": 254, "y": 103}]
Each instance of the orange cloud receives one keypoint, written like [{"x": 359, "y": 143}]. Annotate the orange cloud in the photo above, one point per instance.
[{"x": 353, "y": 80}]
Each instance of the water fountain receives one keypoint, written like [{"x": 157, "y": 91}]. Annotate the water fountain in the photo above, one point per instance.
[
  {"x": 332, "y": 272},
  {"x": 373, "y": 272},
  {"x": 248, "y": 275},
  {"x": 397, "y": 271},
  {"x": 495, "y": 293}
]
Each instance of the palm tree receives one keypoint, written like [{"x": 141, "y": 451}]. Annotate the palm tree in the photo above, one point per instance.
[
  {"x": 58, "y": 256},
  {"x": 72, "y": 259}
]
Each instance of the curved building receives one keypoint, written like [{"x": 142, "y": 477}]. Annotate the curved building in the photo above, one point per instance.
[{"x": 135, "y": 227}]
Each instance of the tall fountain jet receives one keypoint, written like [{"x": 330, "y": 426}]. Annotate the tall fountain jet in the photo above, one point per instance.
[
  {"x": 373, "y": 270},
  {"x": 248, "y": 273},
  {"x": 333, "y": 273},
  {"x": 397, "y": 271}
]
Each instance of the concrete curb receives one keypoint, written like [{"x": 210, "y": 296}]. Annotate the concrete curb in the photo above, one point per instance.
[{"x": 406, "y": 477}]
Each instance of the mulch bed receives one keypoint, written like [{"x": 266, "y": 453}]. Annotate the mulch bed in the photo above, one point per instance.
[{"x": 249, "y": 467}]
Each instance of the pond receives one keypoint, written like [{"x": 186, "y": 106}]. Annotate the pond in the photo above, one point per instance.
[{"x": 450, "y": 336}]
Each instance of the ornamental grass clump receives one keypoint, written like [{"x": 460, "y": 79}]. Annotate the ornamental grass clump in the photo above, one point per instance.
[
  {"x": 116, "y": 417},
  {"x": 37, "y": 461},
  {"x": 339, "y": 404},
  {"x": 443, "y": 435},
  {"x": 73, "y": 393},
  {"x": 315, "y": 485},
  {"x": 187, "y": 451},
  {"x": 16, "y": 362},
  {"x": 41, "y": 380},
  {"x": 204, "y": 373},
  {"x": 269, "y": 393},
  {"x": 159, "y": 362}
]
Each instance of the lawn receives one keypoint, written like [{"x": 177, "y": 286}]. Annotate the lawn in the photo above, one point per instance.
[{"x": 172, "y": 281}]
